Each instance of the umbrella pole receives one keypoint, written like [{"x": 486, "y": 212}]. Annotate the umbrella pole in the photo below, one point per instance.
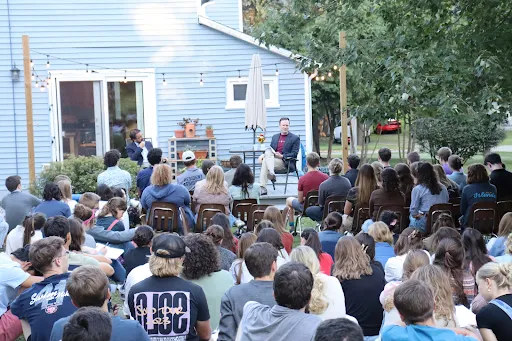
[{"x": 254, "y": 152}]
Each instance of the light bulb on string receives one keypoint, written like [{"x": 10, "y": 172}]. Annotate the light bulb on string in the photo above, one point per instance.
[
  {"x": 37, "y": 83},
  {"x": 201, "y": 83},
  {"x": 335, "y": 67},
  {"x": 329, "y": 74},
  {"x": 322, "y": 78},
  {"x": 125, "y": 80},
  {"x": 86, "y": 68},
  {"x": 33, "y": 76},
  {"x": 164, "y": 82},
  {"x": 31, "y": 63},
  {"x": 42, "y": 88},
  {"x": 317, "y": 78},
  {"x": 239, "y": 74},
  {"x": 277, "y": 71},
  {"x": 47, "y": 61}
]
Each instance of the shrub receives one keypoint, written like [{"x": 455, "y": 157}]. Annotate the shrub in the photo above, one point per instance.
[{"x": 83, "y": 172}]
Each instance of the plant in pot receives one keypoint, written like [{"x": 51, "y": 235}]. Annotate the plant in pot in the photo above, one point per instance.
[
  {"x": 200, "y": 154},
  {"x": 180, "y": 133},
  {"x": 209, "y": 131},
  {"x": 190, "y": 125}
]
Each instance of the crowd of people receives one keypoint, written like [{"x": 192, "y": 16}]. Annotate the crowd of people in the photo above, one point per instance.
[{"x": 340, "y": 282}]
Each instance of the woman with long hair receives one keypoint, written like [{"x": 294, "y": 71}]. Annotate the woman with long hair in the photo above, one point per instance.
[
  {"x": 368, "y": 245},
  {"x": 243, "y": 185},
  {"x": 478, "y": 189},
  {"x": 426, "y": 193},
  {"x": 25, "y": 234},
  {"x": 405, "y": 180},
  {"x": 52, "y": 204},
  {"x": 383, "y": 242},
  {"x": 65, "y": 189},
  {"x": 362, "y": 284},
  {"x": 309, "y": 237},
  {"x": 389, "y": 194},
  {"x": 378, "y": 168},
  {"x": 229, "y": 241},
  {"x": 110, "y": 216},
  {"x": 273, "y": 214},
  {"x": 331, "y": 233},
  {"x": 327, "y": 298},
  {"x": 432, "y": 242},
  {"x": 495, "y": 285},
  {"x": 443, "y": 220},
  {"x": 475, "y": 250},
  {"x": 214, "y": 191},
  {"x": 451, "y": 186},
  {"x": 238, "y": 268},
  {"x": 450, "y": 257},
  {"x": 496, "y": 246},
  {"x": 359, "y": 196},
  {"x": 410, "y": 239},
  {"x": 273, "y": 238},
  {"x": 216, "y": 234}
]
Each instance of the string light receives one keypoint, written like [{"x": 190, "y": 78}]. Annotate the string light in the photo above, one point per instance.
[
  {"x": 33, "y": 75},
  {"x": 48, "y": 80},
  {"x": 335, "y": 67},
  {"x": 164, "y": 82},
  {"x": 277, "y": 71},
  {"x": 47, "y": 61},
  {"x": 239, "y": 74},
  {"x": 125, "y": 80},
  {"x": 329, "y": 74},
  {"x": 201, "y": 83},
  {"x": 37, "y": 83},
  {"x": 86, "y": 68},
  {"x": 42, "y": 88},
  {"x": 31, "y": 64},
  {"x": 317, "y": 78},
  {"x": 322, "y": 78}
]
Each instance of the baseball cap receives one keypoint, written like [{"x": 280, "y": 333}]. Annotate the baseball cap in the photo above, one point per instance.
[
  {"x": 188, "y": 155},
  {"x": 168, "y": 245}
]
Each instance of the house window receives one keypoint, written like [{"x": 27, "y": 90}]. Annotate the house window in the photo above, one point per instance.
[{"x": 236, "y": 92}]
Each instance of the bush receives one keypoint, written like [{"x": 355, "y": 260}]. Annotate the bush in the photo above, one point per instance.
[{"x": 83, "y": 172}]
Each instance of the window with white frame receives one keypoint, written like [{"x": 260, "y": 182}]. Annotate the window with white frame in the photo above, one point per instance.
[{"x": 237, "y": 90}]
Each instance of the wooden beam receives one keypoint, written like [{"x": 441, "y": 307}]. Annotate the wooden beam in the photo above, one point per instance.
[
  {"x": 343, "y": 106},
  {"x": 28, "y": 108}
]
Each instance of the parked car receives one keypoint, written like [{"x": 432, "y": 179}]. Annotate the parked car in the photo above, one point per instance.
[{"x": 391, "y": 126}]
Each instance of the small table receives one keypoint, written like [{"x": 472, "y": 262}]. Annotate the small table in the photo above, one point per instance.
[{"x": 247, "y": 149}]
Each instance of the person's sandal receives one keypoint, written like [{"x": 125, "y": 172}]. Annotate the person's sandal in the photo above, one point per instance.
[
  {"x": 272, "y": 178},
  {"x": 263, "y": 191}
]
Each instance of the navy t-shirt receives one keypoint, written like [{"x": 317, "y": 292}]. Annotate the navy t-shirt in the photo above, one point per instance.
[
  {"x": 135, "y": 257},
  {"x": 44, "y": 304},
  {"x": 168, "y": 307}
]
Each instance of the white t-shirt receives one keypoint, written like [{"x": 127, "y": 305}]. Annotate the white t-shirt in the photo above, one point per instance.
[
  {"x": 71, "y": 203},
  {"x": 395, "y": 267},
  {"x": 11, "y": 277},
  {"x": 282, "y": 258},
  {"x": 333, "y": 294},
  {"x": 137, "y": 275},
  {"x": 235, "y": 267},
  {"x": 14, "y": 239}
]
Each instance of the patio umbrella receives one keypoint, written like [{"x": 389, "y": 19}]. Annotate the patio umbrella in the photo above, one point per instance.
[{"x": 255, "y": 110}]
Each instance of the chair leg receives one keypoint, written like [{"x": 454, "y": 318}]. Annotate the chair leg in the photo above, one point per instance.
[{"x": 286, "y": 183}]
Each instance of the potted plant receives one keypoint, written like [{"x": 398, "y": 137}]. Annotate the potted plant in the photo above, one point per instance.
[
  {"x": 190, "y": 126},
  {"x": 180, "y": 133},
  {"x": 200, "y": 154},
  {"x": 209, "y": 131}
]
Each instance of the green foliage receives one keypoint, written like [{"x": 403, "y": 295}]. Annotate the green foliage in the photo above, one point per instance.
[
  {"x": 83, "y": 172},
  {"x": 465, "y": 135}
]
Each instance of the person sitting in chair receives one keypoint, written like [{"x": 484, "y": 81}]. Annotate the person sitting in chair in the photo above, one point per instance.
[
  {"x": 139, "y": 148},
  {"x": 286, "y": 145}
]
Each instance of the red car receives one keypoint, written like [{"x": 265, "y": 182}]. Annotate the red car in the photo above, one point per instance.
[{"x": 391, "y": 126}]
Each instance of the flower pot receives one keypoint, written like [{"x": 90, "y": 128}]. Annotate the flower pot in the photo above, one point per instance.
[
  {"x": 209, "y": 132},
  {"x": 179, "y": 154},
  {"x": 201, "y": 154},
  {"x": 179, "y": 134},
  {"x": 190, "y": 130}
]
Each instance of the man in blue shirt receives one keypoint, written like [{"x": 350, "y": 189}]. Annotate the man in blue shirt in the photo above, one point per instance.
[
  {"x": 89, "y": 287},
  {"x": 414, "y": 301},
  {"x": 144, "y": 176}
]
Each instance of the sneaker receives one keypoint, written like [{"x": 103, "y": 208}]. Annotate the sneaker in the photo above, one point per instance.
[{"x": 263, "y": 191}]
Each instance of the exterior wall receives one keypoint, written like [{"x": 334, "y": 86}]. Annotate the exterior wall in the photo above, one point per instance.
[
  {"x": 226, "y": 12},
  {"x": 163, "y": 35}
]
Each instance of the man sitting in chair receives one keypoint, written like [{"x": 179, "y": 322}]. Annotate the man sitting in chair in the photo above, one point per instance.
[
  {"x": 286, "y": 145},
  {"x": 138, "y": 149}
]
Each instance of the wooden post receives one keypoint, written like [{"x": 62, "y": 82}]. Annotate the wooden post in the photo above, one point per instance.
[
  {"x": 28, "y": 107},
  {"x": 343, "y": 107}
]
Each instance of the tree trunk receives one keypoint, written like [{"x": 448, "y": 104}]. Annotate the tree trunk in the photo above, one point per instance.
[
  {"x": 409, "y": 133},
  {"x": 331, "y": 119},
  {"x": 316, "y": 135}
]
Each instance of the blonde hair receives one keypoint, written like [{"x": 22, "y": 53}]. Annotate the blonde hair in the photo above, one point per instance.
[
  {"x": 505, "y": 227},
  {"x": 501, "y": 273},
  {"x": 381, "y": 233},
  {"x": 335, "y": 166},
  {"x": 215, "y": 181},
  {"x": 307, "y": 256},
  {"x": 439, "y": 282},
  {"x": 273, "y": 214},
  {"x": 162, "y": 175},
  {"x": 378, "y": 168},
  {"x": 89, "y": 199},
  {"x": 351, "y": 262},
  {"x": 165, "y": 267},
  {"x": 65, "y": 189},
  {"x": 508, "y": 244}
]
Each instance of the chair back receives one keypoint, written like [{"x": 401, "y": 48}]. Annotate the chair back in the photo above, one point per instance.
[
  {"x": 360, "y": 216},
  {"x": 434, "y": 212},
  {"x": 163, "y": 217},
  {"x": 482, "y": 217},
  {"x": 205, "y": 214},
  {"x": 255, "y": 215},
  {"x": 192, "y": 202},
  {"x": 311, "y": 199},
  {"x": 399, "y": 211},
  {"x": 503, "y": 207},
  {"x": 242, "y": 208},
  {"x": 334, "y": 203},
  {"x": 187, "y": 226}
]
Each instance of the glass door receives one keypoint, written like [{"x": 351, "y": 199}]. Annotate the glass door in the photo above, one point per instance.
[{"x": 81, "y": 123}]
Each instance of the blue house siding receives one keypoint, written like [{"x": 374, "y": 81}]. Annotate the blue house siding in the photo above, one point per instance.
[
  {"x": 226, "y": 12},
  {"x": 126, "y": 34}
]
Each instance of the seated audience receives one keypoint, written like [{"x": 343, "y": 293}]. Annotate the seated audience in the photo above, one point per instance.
[
  {"x": 391, "y": 219},
  {"x": 286, "y": 320},
  {"x": 458, "y": 176},
  {"x": 309, "y": 182},
  {"x": 378, "y": 168},
  {"x": 144, "y": 175},
  {"x": 405, "y": 181},
  {"x": 362, "y": 284},
  {"x": 414, "y": 301},
  {"x": 89, "y": 287},
  {"x": 442, "y": 233},
  {"x": 88, "y": 323},
  {"x": 201, "y": 266},
  {"x": 495, "y": 285},
  {"x": 327, "y": 298},
  {"x": 309, "y": 237},
  {"x": 412, "y": 157},
  {"x": 500, "y": 177},
  {"x": 263, "y": 224},
  {"x": 234, "y": 162},
  {"x": 359, "y": 196},
  {"x": 384, "y": 157},
  {"x": 333, "y": 329},
  {"x": 242, "y": 185},
  {"x": 330, "y": 234},
  {"x": 213, "y": 191},
  {"x": 383, "y": 242},
  {"x": 260, "y": 259},
  {"x": 91, "y": 200},
  {"x": 119, "y": 193},
  {"x": 77, "y": 233},
  {"x": 368, "y": 245},
  {"x": 229, "y": 241},
  {"x": 216, "y": 234},
  {"x": 65, "y": 190},
  {"x": 166, "y": 263},
  {"x": 474, "y": 250},
  {"x": 444, "y": 220},
  {"x": 336, "y": 184},
  {"x": 105, "y": 193},
  {"x": 496, "y": 245},
  {"x": 507, "y": 257},
  {"x": 273, "y": 214},
  {"x": 414, "y": 171},
  {"x": 353, "y": 162},
  {"x": 272, "y": 237},
  {"x": 426, "y": 193},
  {"x": 478, "y": 189},
  {"x": 451, "y": 186},
  {"x": 25, "y": 234},
  {"x": 17, "y": 204},
  {"x": 443, "y": 154},
  {"x": 52, "y": 206},
  {"x": 389, "y": 194},
  {"x": 44, "y": 303},
  {"x": 110, "y": 216},
  {"x": 205, "y": 167},
  {"x": 410, "y": 239},
  {"x": 238, "y": 268},
  {"x": 192, "y": 174},
  {"x": 114, "y": 176},
  {"x": 139, "y": 255}
]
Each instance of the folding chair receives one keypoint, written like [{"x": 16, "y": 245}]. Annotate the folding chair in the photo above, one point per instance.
[
  {"x": 334, "y": 203},
  {"x": 255, "y": 215},
  {"x": 242, "y": 208},
  {"x": 482, "y": 217},
  {"x": 399, "y": 211},
  {"x": 287, "y": 171},
  {"x": 503, "y": 208},
  {"x": 360, "y": 216},
  {"x": 163, "y": 217},
  {"x": 206, "y": 213},
  {"x": 311, "y": 200},
  {"x": 434, "y": 212}
]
